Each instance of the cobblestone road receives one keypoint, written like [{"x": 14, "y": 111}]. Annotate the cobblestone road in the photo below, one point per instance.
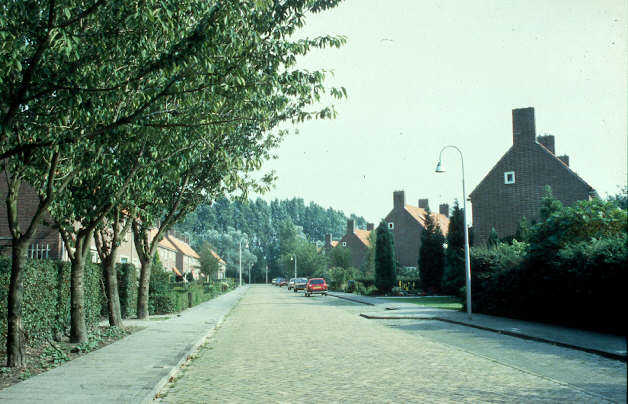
[{"x": 277, "y": 346}]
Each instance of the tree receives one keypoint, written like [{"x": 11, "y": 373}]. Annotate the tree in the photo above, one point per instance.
[
  {"x": 454, "y": 277},
  {"x": 493, "y": 238},
  {"x": 385, "y": 262},
  {"x": 340, "y": 257},
  {"x": 431, "y": 261},
  {"x": 209, "y": 263},
  {"x": 107, "y": 239}
]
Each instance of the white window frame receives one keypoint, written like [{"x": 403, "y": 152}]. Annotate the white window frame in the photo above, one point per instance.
[
  {"x": 124, "y": 259},
  {"x": 506, "y": 174},
  {"x": 391, "y": 226},
  {"x": 344, "y": 243}
]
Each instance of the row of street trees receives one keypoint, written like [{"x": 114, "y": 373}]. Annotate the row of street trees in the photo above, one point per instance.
[{"x": 128, "y": 115}]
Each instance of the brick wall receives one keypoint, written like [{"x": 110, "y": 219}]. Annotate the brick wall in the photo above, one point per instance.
[
  {"x": 502, "y": 206},
  {"x": 45, "y": 238}
]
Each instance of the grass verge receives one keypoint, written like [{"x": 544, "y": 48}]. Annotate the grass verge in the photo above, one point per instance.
[{"x": 445, "y": 302}]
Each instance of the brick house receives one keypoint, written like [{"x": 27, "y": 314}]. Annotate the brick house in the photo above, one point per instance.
[
  {"x": 357, "y": 241},
  {"x": 513, "y": 188},
  {"x": 48, "y": 244},
  {"x": 407, "y": 223},
  {"x": 329, "y": 243}
]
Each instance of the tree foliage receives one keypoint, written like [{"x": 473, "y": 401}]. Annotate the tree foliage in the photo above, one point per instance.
[
  {"x": 454, "y": 276},
  {"x": 431, "y": 261},
  {"x": 385, "y": 262}
]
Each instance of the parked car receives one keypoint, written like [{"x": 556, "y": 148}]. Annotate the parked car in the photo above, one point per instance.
[
  {"x": 282, "y": 282},
  {"x": 274, "y": 282},
  {"x": 299, "y": 284},
  {"x": 291, "y": 283},
  {"x": 316, "y": 285}
]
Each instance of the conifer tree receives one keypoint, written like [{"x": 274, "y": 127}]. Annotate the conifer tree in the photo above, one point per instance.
[
  {"x": 493, "y": 239},
  {"x": 454, "y": 277},
  {"x": 385, "y": 263},
  {"x": 431, "y": 262}
]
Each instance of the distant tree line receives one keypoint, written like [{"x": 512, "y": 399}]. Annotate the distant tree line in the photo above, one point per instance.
[{"x": 271, "y": 232}]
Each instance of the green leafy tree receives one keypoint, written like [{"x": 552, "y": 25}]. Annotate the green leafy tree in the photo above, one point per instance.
[
  {"x": 209, "y": 264},
  {"x": 340, "y": 257},
  {"x": 493, "y": 238},
  {"x": 454, "y": 276},
  {"x": 431, "y": 260},
  {"x": 385, "y": 263}
]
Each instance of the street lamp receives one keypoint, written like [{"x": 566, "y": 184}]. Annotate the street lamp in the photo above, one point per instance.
[
  {"x": 467, "y": 260},
  {"x": 294, "y": 258}
]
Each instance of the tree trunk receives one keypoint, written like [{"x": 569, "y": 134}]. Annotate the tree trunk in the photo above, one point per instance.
[
  {"x": 78, "y": 327},
  {"x": 15, "y": 343},
  {"x": 142, "y": 293},
  {"x": 113, "y": 298}
]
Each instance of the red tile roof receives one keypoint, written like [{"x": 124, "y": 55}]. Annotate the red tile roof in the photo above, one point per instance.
[
  {"x": 363, "y": 235},
  {"x": 213, "y": 253},
  {"x": 419, "y": 215}
]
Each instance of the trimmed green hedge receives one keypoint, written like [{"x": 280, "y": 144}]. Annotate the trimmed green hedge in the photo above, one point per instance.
[
  {"x": 127, "y": 289},
  {"x": 582, "y": 286},
  {"x": 46, "y": 304},
  {"x": 166, "y": 296}
]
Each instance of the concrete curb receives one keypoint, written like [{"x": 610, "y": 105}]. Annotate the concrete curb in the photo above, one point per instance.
[
  {"x": 606, "y": 354},
  {"x": 152, "y": 395},
  {"x": 350, "y": 299}
]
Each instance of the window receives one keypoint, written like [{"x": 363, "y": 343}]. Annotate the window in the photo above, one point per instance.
[
  {"x": 509, "y": 177},
  {"x": 344, "y": 243},
  {"x": 124, "y": 260},
  {"x": 391, "y": 226}
]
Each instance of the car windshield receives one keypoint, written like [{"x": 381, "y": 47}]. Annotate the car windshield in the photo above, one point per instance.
[
  {"x": 301, "y": 280},
  {"x": 317, "y": 282}
]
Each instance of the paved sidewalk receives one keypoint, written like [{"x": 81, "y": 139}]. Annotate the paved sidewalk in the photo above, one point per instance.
[
  {"x": 133, "y": 369},
  {"x": 607, "y": 345}
]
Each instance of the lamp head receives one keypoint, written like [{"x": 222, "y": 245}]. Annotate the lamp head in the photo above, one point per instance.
[{"x": 439, "y": 168}]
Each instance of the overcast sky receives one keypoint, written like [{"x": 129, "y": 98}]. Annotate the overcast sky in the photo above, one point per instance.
[{"x": 424, "y": 74}]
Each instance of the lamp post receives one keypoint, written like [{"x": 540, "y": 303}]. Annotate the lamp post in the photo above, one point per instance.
[
  {"x": 250, "y": 267},
  {"x": 294, "y": 258},
  {"x": 467, "y": 260}
]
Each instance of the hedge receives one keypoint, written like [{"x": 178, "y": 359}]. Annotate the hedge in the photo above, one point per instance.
[
  {"x": 46, "y": 300},
  {"x": 127, "y": 289},
  {"x": 582, "y": 286}
]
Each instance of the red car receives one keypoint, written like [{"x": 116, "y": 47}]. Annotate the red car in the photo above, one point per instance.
[{"x": 316, "y": 285}]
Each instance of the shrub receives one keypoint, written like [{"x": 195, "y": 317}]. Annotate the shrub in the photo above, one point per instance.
[
  {"x": 127, "y": 289},
  {"x": 46, "y": 299}
]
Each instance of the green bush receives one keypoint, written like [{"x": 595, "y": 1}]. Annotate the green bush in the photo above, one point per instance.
[
  {"x": 127, "y": 289},
  {"x": 46, "y": 299}
]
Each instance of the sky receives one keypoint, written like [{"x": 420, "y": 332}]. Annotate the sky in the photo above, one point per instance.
[{"x": 424, "y": 74}]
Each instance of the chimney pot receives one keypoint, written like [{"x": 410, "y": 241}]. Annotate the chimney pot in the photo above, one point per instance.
[
  {"x": 443, "y": 209},
  {"x": 523, "y": 128},
  {"x": 548, "y": 142},
  {"x": 399, "y": 199},
  {"x": 423, "y": 203}
]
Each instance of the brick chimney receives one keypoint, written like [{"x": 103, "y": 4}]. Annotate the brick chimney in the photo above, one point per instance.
[
  {"x": 370, "y": 226},
  {"x": 443, "y": 209},
  {"x": 523, "y": 128},
  {"x": 565, "y": 159},
  {"x": 399, "y": 199},
  {"x": 350, "y": 226},
  {"x": 548, "y": 142},
  {"x": 423, "y": 203}
]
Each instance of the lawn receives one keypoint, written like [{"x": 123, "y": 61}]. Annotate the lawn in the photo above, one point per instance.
[{"x": 446, "y": 302}]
